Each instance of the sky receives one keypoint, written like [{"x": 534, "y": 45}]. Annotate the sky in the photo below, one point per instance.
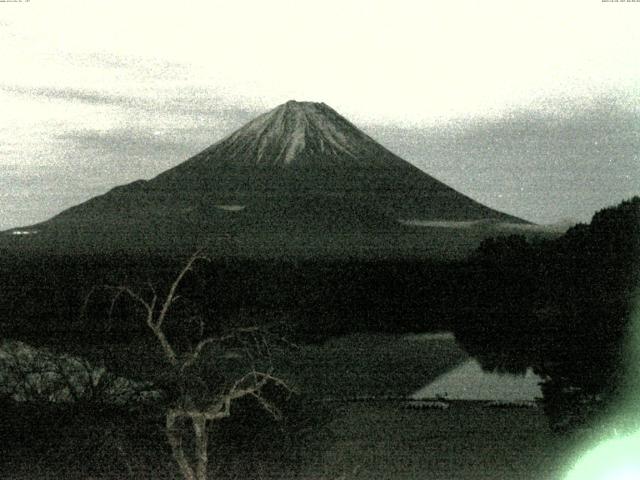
[{"x": 533, "y": 109}]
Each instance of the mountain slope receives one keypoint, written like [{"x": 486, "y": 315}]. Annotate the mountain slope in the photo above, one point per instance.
[
  {"x": 299, "y": 173},
  {"x": 305, "y": 150}
]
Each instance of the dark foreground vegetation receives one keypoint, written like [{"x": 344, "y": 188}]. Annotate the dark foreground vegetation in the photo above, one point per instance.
[
  {"x": 563, "y": 307},
  {"x": 60, "y": 296},
  {"x": 89, "y": 440},
  {"x": 358, "y": 441}
]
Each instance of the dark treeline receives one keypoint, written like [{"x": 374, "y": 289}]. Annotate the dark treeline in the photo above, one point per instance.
[
  {"x": 563, "y": 307},
  {"x": 49, "y": 297},
  {"x": 89, "y": 440},
  {"x": 560, "y": 306}
]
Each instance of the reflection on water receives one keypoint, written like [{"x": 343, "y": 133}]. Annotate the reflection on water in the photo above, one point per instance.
[{"x": 469, "y": 382}]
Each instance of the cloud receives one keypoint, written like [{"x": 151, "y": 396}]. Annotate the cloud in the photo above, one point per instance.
[
  {"x": 92, "y": 141},
  {"x": 178, "y": 101},
  {"x": 149, "y": 67},
  {"x": 159, "y": 141},
  {"x": 410, "y": 62},
  {"x": 544, "y": 165},
  {"x": 71, "y": 95},
  {"x": 137, "y": 153}
]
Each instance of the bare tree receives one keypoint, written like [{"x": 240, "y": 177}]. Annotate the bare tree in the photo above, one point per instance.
[{"x": 192, "y": 404}]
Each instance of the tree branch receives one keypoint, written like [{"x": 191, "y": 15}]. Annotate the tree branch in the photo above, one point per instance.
[
  {"x": 171, "y": 296},
  {"x": 175, "y": 441}
]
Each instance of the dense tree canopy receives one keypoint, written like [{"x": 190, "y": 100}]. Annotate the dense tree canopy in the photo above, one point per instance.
[{"x": 562, "y": 307}]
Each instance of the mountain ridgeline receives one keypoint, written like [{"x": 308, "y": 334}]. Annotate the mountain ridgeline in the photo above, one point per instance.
[{"x": 299, "y": 179}]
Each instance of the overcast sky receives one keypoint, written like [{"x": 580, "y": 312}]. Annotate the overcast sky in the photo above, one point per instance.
[{"x": 532, "y": 108}]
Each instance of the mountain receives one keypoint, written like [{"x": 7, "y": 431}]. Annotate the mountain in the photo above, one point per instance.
[{"x": 299, "y": 177}]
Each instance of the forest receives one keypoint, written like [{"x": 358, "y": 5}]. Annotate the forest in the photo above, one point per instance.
[{"x": 564, "y": 307}]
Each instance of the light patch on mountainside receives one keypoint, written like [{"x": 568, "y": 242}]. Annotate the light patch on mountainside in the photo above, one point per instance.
[
  {"x": 560, "y": 227},
  {"x": 511, "y": 227},
  {"x": 440, "y": 223},
  {"x": 424, "y": 337},
  {"x": 231, "y": 208}
]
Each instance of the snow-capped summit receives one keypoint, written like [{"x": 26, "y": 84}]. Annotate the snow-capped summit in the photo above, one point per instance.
[
  {"x": 298, "y": 132},
  {"x": 299, "y": 171}
]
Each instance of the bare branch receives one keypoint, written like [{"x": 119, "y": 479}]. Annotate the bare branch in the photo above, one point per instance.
[
  {"x": 171, "y": 296},
  {"x": 195, "y": 355},
  {"x": 260, "y": 379},
  {"x": 201, "y": 447},
  {"x": 120, "y": 290},
  {"x": 154, "y": 325},
  {"x": 168, "y": 350},
  {"x": 268, "y": 406},
  {"x": 85, "y": 304},
  {"x": 252, "y": 339},
  {"x": 175, "y": 441},
  {"x": 152, "y": 288}
]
